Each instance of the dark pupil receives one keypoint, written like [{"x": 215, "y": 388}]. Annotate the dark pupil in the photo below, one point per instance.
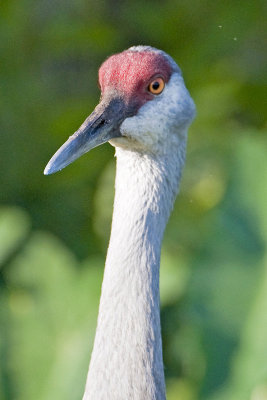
[{"x": 155, "y": 85}]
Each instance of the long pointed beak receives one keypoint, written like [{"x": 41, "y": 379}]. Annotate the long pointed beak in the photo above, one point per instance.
[{"x": 101, "y": 126}]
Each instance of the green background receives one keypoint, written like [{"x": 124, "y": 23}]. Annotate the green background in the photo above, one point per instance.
[{"x": 54, "y": 230}]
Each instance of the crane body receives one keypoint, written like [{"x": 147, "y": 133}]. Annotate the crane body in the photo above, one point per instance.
[{"x": 144, "y": 112}]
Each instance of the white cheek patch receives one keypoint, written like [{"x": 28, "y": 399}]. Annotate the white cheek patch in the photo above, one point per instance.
[{"x": 168, "y": 114}]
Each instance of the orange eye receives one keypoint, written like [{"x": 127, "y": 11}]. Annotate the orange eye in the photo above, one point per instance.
[{"x": 156, "y": 86}]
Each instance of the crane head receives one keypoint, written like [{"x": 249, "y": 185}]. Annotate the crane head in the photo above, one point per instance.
[{"x": 144, "y": 106}]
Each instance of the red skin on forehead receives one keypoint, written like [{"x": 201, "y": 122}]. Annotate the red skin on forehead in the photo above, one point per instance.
[{"x": 130, "y": 73}]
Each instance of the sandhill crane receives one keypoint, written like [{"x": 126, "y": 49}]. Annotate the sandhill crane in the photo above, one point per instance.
[{"x": 144, "y": 111}]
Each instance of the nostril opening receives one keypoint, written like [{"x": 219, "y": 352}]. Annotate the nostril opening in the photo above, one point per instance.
[
  {"x": 102, "y": 122},
  {"x": 98, "y": 123}
]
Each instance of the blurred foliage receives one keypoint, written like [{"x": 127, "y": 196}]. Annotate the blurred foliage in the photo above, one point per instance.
[{"x": 54, "y": 230}]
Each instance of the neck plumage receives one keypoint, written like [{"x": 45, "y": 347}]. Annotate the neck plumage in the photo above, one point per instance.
[{"x": 126, "y": 361}]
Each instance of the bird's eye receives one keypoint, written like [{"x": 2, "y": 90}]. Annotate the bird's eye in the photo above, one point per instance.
[{"x": 156, "y": 86}]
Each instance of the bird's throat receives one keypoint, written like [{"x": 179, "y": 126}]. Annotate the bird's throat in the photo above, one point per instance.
[{"x": 126, "y": 362}]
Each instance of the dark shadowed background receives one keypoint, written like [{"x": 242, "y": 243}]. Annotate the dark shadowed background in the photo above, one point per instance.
[{"x": 54, "y": 230}]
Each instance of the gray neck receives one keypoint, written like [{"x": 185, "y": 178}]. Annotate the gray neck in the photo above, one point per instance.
[{"x": 126, "y": 362}]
